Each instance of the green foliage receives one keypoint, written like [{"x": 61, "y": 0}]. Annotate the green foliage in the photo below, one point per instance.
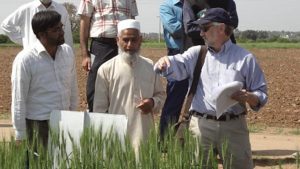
[
  {"x": 107, "y": 151},
  {"x": 296, "y": 131},
  {"x": 76, "y": 37},
  {"x": 153, "y": 44},
  {"x": 4, "y": 39},
  {"x": 266, "y": 45}
]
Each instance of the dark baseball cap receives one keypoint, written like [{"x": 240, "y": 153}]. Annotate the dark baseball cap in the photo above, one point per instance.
[{"x": 214, "y": 15}]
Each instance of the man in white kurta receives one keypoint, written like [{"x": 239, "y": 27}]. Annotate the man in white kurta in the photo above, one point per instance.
[
  {"x": 17, "y": 26},
  {"x": 126, "y": 84}
]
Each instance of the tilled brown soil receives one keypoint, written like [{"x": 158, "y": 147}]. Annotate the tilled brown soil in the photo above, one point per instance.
[{"x": 281, "y": 67}]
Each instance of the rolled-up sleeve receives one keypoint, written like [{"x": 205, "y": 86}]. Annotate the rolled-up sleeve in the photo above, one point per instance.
[{"x": 256, "y": 82}]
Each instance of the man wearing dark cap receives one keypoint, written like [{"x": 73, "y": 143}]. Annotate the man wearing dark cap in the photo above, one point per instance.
[
  {"x": 228, "y": 67},
  {"x": 192, "y": 9}
]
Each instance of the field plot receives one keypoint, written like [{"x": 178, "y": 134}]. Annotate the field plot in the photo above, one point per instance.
[{"x": 281, "y": 66}]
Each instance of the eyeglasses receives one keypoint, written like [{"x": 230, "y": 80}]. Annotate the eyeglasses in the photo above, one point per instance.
[
  {"x": 56, "y": 29},
  {"x": 205, "y": 28}
]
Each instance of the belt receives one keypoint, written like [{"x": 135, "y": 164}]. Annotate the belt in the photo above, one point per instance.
[
  {"x": 224, "y": 117},
  {"x": 105, "y": 40}
]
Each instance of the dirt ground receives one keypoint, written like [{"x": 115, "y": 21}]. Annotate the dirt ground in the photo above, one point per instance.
[
  {"x": 282, "y": 70},
  {"x": 281, "y": 67}
]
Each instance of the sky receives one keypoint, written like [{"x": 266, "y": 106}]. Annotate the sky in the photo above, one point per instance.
[{"x": 269, "y": 15}]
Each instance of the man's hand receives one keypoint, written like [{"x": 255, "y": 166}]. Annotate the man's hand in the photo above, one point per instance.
[
  {"x": 84, "y": 38},
  {"x": 243, "y": 96},
  {"x": 146, "y": 105},
  {"x": 86, "y": 63},
  {"x": 162, "y": 64}
]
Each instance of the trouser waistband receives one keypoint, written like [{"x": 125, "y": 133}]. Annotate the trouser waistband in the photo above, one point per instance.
[{"x": 224, "y": 117}]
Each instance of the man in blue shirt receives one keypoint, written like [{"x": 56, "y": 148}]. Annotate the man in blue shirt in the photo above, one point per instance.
[
  {"x": 225, "y": 63},
  {"x": 171, "y": 18}
]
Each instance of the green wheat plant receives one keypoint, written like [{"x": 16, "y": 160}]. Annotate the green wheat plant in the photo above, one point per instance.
[{"x": 105, "y": 151}]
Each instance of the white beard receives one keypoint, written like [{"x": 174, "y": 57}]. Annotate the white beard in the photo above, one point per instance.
[{"x": 128, "y": 57}]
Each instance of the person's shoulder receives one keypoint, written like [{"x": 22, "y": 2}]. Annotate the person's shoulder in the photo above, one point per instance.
[
  {"x": 60, "y": 7},
  {"x": 24, "y": 56},
  {"x": 67, "y": 49},
  {"x": 109, "y": 64},
  {"x": 27, "y": 6},
  {"x": 240, "y": 51},
  {"x": 194, "y": 49},
  {"x": 146, "y": 60},
  {"x": 166, "y": 3},
  {"x": 238, "y": 48}
]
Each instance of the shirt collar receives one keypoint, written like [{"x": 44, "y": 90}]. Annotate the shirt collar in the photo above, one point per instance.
[
  {"x": 38, "y": 4},
  {"x": 175, "y": 2},
  {"x": 224, "y": 47},
  {"x": 41, "y": 49}
]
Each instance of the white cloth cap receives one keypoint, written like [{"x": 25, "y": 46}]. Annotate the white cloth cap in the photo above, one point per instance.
[{"x": 128, "y": 23}]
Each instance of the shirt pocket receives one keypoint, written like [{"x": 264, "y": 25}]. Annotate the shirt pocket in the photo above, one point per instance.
[
  {"x": 230, "y": 75},
  {"x": 65, "y": 76}
]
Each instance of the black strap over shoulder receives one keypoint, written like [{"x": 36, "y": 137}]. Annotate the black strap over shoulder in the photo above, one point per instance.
[
  {"x": 184, "y": 120},
  {"x": 197, "y": 69},
  {"x": 196, "y": 76}
]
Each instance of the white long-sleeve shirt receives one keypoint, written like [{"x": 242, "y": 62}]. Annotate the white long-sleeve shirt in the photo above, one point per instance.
[
  {"x": 232, "y": 63},
  {"x": 17, "y": 26},
  {"x": 41, "y": 84}
]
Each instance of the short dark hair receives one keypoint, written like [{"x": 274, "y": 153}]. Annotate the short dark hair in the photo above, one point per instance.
[{"x": 43, "y": 20}]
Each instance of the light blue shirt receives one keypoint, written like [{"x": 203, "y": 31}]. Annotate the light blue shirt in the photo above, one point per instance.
[
  {"x": 232, "y": 63},
  {"x": 171, "y": 17}
]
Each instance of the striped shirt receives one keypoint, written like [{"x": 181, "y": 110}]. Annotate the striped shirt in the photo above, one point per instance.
[
  {"x": 105, "y": 15},
  {"x": 41, "y": 84}
]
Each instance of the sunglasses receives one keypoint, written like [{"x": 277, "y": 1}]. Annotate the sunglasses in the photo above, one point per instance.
[{"x": 205, "y": 28}]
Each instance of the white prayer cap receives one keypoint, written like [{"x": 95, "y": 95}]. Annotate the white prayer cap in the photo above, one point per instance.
[{"x": 128, "y": 23}]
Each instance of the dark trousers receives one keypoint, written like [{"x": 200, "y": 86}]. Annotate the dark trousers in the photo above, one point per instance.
[
  {"x": 103, "y": 51},
  {"x": 37, "y": 134},
  {"x": 176, "y": 92},
  {"x": 37, "y": 130}
]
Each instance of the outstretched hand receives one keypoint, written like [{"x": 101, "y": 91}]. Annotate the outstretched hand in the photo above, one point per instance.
[{"x": 162, "y": 64}]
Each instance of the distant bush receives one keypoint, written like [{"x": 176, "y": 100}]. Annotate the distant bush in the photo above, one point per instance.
[
  {"x": 76, "y": 37},
  {"x": 4, "y": 39}
]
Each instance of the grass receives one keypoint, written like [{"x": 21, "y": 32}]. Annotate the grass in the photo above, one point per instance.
[
  {"x": 106, "y": 151},
  {"x": 5, "y": 115},
  {"x": 295, "y": 131},
  {"x": 96, "y": 150},
  {"x": 256, "y": 128},
  {"x": 268, "y": 45}
]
